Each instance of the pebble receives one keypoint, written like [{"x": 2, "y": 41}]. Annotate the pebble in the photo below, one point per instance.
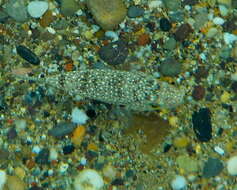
[
  {"x": 183, "y": 32},
  {"x": 179, "y": 183},
  {"x": 36, "y": 9},
  {"x": 27, "y": 55},
  {"x": 108, "y": 14},
  {"x": 229, "y": 38},
  {"x": 15, "y": 183},
  {"x": 62, "y": 129},
  {"x": 212, "y": 32},
  {"x": 232, "y": 165},
  {"x": 3, "y": 178},
  {"x": 69, "y": 7},
  {"x": 202, "y": 125},
  {"x": 170, "y": 67},
  {"x": 117, "y": 182},
  {"x": 68, "y": 149},
  {"x": 88, "y": 179},
  {"x": 219, "y": 150},
  {"x": 165, "y": 24},
  {"x": 187, "y": 163},
  {"x": 172, "y": 5},
  {"x": 79, "y": 116},
  {"x": 170, "y": 44},
  {"x": 212, "y": 167},
  {"x": 198, "y": 92},
  {"x": 43, "y": 156},
  {"x": 17, "y": 10},
  {"x": 135, "y": 11},
  {"x": 114, "y": 53},
  {"x": 218, "y": 21}
]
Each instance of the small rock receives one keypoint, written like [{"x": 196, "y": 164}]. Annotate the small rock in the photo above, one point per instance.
[
  {"x": 68, "y": 149},
  {"x": 198, "y": 92},
  {"x": 172, "y": 5},
  {"x": 62, "y": 129},
  {"x": 183, "y": 32},
  {"x": 178, "y": 183},
  {"x": 232, "y": 165},
  {"x": 165, "y": 24},
  {"x": 170, "y": 67},
  {"x": 118, "y": 182},
  {"x": 28, "y": 55},
  {"x": 135, "y": 11},
  {"x": 187, "y": 163},
  {"x": 37, "y": 8},
  {"x": 212, "y": 167},
  {"x": 88, "y": 179},
  {"x": 108, "y": 14},
  {"x": 17, "y": 10},
  {"x": 170, "y": 44},
  {"x": 202, "y": 124},
  {"x": 114, "y": 53},
  {"x": 143, "y": 39},
  {"x": 42, "y": 157},
  {"x": 69, "y": 7},
  {"x": 15, "y": 183}
]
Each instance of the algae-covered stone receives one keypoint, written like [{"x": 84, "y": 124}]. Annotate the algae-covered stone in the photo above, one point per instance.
[
  {"x": 108, "y": 14},
  {"x": 69, "y": 7},
  {"x": 187, "y": 164}
]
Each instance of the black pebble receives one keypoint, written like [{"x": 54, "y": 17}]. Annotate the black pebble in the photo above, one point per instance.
[
  {"x": 91, "y": 113},
  {"x": 42, "y": 157},
  {"x": 28, "y": 55},
  {"x": 202, "y": 124},
  {"x": 165, "y": 24},
  {"x": 212, "y": 167},
  {"x": 114, "y": 53},
  {"x": 68, "y": 149},
  {"x": 118, "y": 182}
]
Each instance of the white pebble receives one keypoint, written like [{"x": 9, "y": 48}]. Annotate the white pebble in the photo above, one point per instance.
[
  {"x": 112, "y": 34},
  {"x": 79, "y": 116},
  {"x": 36, "y": 149},
  {"x": 179, "y": 183},
  {"x": 229, "y": 38},
  {"x": 37, "y": 8},
  {"x": 219, "y": 150},
  {"x": 232, "y": 165},
  {"x": 88, "y": 179},
  {"x": 154, "y": 4},
  {"x": 3, "y": 178},
  {"x": 53, "y": 154},
  {"x": 218, "y": 21},
  {"x": 83, "y": 161},
  {"x": 51, "y": 30}
]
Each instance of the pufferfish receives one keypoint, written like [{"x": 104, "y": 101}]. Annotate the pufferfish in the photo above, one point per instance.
[{"x": 135, "y": 90}]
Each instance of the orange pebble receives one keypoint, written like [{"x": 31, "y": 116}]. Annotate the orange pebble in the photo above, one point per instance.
[
  {"x": 68, "y": 67},
  {"x": 78, "y": 135},
  {"x": 92, "y": 146},
  {"x": 143, "y": 39}
]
